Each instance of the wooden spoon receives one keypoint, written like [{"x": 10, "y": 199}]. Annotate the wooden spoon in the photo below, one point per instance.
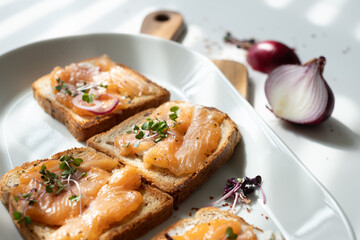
[{"x": 170, "y": 25}]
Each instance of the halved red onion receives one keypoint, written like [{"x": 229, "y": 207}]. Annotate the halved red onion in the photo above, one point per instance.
[
  {"x": 102, "y": 105},
  {"x": 299, "y": 93}
]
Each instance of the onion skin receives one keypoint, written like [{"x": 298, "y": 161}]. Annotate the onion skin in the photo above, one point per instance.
[
  {"x": 299, "y": 93},
  {"x": 328, "y": 110},
  {"x": 267, "y": 55}
]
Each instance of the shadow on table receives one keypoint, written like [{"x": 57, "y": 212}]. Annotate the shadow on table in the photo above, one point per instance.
[{"x": 331, "y": 132}]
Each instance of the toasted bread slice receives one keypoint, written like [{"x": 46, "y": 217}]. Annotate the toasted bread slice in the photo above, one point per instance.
[
  {"x": 205, "y": 215},
  {"x": 177, "y": 186},
  {"x": 156, "y": 206},
  {"x": 83, "y": 127}
]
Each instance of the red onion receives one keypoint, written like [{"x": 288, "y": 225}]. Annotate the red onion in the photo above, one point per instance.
[
  {"x": 102, "y": 105},
  {"x": 267, "y": 55},
  {"x": 299, "y": 93},
  {"x": 78, "y": 102},
  {"x": 108, "y": 104}
]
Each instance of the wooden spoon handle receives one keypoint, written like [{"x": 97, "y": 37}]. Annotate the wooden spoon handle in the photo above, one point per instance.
[{"x": 165, "y": 24}]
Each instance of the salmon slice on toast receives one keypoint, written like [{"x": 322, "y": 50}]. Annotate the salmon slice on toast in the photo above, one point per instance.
[
  {"x": 94, "y": 95},
  {"x": 82, "y": 194},
  {"x": 175, "y": 147}
]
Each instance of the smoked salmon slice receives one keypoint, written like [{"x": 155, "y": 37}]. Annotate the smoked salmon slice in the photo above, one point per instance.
[
  {"x": 103, "y": 193},
  {"x": 189, "y": 139},
  {"x": 97, "y": 79},
  {"x": 216, "y": 230},
  {"x": 114, "y": 201}
]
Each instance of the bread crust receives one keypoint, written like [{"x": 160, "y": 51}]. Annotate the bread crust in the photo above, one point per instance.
[
  {"x": 83, "y": 127},
  {"x": 179, "y": 187},
  {"x": 157, "y": 207}
]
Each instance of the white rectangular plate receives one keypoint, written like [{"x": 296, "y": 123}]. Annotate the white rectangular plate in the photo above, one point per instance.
[{"x": 297, "y": 205}]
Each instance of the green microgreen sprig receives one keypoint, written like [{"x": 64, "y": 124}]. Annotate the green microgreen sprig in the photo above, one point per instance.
[
  {"x": 85, "y": 88},
  {"x": 19, "y": 217},
  {"x": 154, "y": 127},
  {"x": 30, "y": 199},
  {"x": 75, "y": 198},
  {"x": 51, "y": 181},
  {"x": 230, "y": 234},
  {"x": 62, "y": 86},
  {"x": 89, "y": 98},
  {"x": 68, "y": 165},
  {"x": 103, "y": 85},
  {"x": 174, "y": 115}
]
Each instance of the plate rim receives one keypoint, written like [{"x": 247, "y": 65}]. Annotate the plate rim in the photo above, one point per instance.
[{"x": 265, "y": 127}]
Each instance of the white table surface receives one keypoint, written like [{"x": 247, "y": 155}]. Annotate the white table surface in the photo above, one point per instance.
[{"x": 331, "y": 151}]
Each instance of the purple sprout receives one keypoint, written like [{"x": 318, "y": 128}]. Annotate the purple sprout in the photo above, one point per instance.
[{"x": 241, "y": 188}]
